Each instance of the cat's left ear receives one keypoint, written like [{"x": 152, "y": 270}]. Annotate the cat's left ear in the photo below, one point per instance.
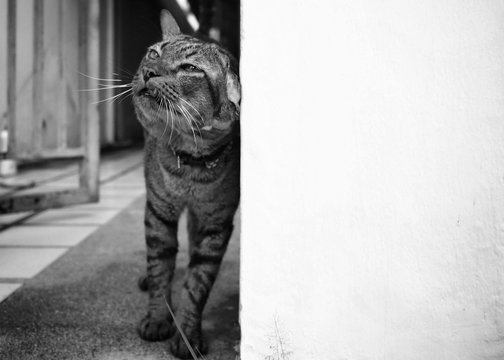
[
  {"x": 169, "y": 26},
  {"x": 233, "y": 87}
]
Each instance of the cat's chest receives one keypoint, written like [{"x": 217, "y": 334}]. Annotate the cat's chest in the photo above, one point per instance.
[
  {"x": 190, "y": 183},
  {"x": 186, "y": 184},
  {"x": 178, "y": 186}
]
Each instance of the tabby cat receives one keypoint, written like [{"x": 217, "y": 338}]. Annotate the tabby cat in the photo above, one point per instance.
[{"x": 186, "y": 94}]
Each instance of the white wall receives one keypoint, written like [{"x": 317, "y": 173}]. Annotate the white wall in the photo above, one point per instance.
[{"x": 373, "y": 179}]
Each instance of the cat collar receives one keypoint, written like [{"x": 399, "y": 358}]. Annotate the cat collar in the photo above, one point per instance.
[{"x": 209, "y": 161}]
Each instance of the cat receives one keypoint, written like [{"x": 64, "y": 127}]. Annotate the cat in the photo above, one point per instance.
[{"x": 186, "y": 95}]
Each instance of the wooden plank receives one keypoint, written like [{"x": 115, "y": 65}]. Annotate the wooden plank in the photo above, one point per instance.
[
  {"x": 71, "y": 77},
  {"x": 89, "y": 45},
  {"x": 12, "y": 73},
  {"x": 83, "y": 66},
  {"x": 64, "y": 153},
  {"x": 4, "y": 30},
  {"x": 61, "y": 127},
  {"x": 24, "y": 78},
  {"x": 38, "y": 76},
  {"x": 107, "y": 70},
  {"x": 42, "y": 201},
  {"x": 53, "y": 109}
]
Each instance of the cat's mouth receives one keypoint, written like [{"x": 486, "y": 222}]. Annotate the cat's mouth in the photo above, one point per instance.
[
  {"x": 152, "y": 95},
  {"x": 156, "y": 98},
  {"x": 148, "y": 93}
]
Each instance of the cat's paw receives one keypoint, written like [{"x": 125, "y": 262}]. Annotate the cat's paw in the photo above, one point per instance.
[
  {"x": 143, "y": 282},
  {"x": 154, "y": 329},
  {"x": 179, "y": 348}
]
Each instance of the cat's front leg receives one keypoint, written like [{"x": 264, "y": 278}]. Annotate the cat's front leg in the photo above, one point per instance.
[
  {"x": 208, "y": 245},
  {"x": 162, "y": 246}
]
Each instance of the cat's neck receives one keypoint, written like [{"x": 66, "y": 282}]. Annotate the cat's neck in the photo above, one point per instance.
[
  {"x": 207, "y": 159},
  {"x": 197, "y": 146}
]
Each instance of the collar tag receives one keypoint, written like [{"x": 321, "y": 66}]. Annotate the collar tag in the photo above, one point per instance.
[{"x": 211, "y": 164}]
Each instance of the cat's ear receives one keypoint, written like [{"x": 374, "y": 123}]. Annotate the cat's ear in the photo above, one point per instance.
[
  {"x": 233, "y": 87},
  {"x": 169, "y": 26}
]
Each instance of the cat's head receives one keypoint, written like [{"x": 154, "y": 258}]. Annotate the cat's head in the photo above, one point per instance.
[{"x": 186, "y": 86}]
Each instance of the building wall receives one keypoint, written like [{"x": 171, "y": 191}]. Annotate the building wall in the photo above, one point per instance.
[{"x": 373, "y": 179}]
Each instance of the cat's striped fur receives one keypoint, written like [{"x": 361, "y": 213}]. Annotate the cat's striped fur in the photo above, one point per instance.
[{"x": 186, "y": 94}]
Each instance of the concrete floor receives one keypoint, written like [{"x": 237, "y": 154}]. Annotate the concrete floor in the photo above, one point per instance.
[{"x": 69, "y": 283}]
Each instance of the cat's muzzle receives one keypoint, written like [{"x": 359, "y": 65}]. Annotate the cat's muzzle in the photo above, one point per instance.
[{"x": 152, "y": 93}]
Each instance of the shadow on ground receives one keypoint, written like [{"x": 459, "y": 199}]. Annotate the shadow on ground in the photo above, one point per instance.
[{"x": 86, "y": 305}]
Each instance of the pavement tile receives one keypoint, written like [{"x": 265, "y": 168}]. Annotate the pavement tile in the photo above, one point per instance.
[
  {"x": 26, "y": 262},
  {"x": 33, "y": 235},
  {"x": 7, "y": 289},
  {"x": 107, "y": 202},
  {"x": 10, "y": 218},
  {"x": 73, "y": 217},
  {"x": 130, "y": 192}
]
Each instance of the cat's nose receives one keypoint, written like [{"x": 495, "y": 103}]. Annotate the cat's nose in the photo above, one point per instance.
[{"x": 149, "y": 73}]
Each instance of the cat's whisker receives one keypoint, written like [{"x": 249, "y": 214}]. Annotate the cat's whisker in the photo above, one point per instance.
[
  {"x": 183, "y": 111},
  {"x": 169, "y": 119},
  {"x": 158, "y": 111},
  {"x": 192, "y": 130},
  {"x": 165, "y": 105},
  {"x": 108, "y": 87},
  {"x": 161, "y": 109},
  {"x": 127, "y": 72},
  {"x": 172, "y": 116},
  {"x": 116, "y": 85},
  {"x": 192, "y": 106},
  {"x": 115, "y": 97},
  {"x": 193, "y": 120},
  {"x": 190, "y": 118},
  {"x": 100, "y": 79},
  {"x": 125, "y": 97}
]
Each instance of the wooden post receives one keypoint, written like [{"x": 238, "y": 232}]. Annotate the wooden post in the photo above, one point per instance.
[
  {"x": 11, "y": 77},
  {"x": 38, "y": 76},
  {"x": 4, "y": 115},
  {"x": 107, "y": 69},
  {"x": 89, "y": 48},
  {"x": 62, "y": 117}
]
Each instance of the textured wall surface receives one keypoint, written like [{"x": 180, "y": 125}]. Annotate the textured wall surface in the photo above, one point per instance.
[{"x": 373, "y": 179}]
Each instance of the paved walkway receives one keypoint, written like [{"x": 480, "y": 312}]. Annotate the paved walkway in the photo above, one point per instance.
[{"x": 36, "y": 240}]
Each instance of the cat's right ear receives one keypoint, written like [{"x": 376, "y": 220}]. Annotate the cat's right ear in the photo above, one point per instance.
[{"x": 169, "y": 26}]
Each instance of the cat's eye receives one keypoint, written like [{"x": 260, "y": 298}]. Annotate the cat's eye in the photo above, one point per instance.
[
  {"x": 189, "y": 67},
  {"x": 152, "y": 54}
]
